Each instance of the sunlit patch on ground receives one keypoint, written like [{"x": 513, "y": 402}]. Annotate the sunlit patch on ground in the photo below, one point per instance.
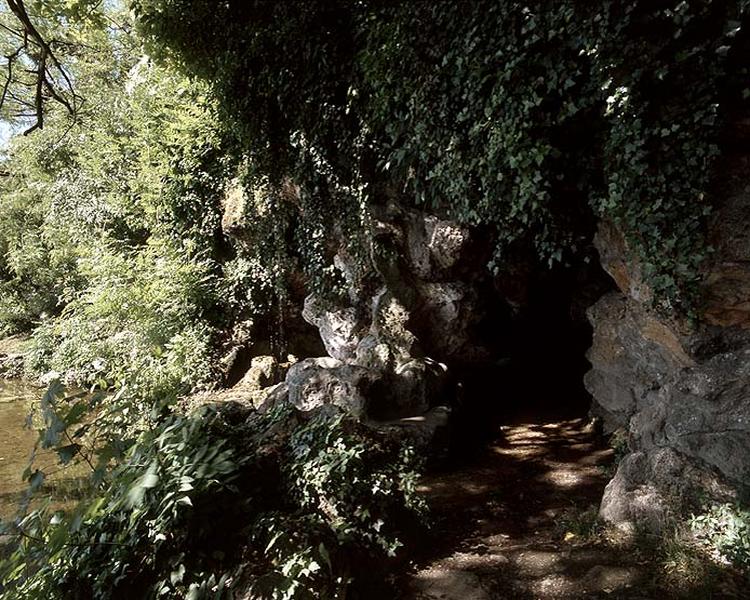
[{"x": 509, "y": 525}]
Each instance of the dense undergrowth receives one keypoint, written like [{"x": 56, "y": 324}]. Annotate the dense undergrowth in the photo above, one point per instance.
[
  {"x": 114, "y": 259},
  {"x": 529, "y": 121},
  {"x": 199, "y": 507}
]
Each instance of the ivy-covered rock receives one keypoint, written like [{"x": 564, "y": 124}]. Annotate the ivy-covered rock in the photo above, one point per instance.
[
  {"x": 679, "y": 387},
  {"x": 530, "y": 121}
]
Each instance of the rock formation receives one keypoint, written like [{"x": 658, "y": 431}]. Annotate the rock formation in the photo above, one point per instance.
[
  {"x": 387, "y": 347},
  {"x": 681, "y": 390}
]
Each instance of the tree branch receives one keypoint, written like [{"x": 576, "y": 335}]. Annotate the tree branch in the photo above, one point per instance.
[{"x": 49, "y": 69}]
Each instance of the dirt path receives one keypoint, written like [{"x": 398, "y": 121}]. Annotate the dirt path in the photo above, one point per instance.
[{"x": 514, "y": 522}]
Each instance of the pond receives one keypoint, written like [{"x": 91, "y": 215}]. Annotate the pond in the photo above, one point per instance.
[
  {"x": 16, "y": 442},
  {"x": 16, "y": 445}
]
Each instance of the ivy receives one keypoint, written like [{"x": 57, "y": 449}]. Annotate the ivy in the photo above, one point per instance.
[{"x": 532, "y": 119}]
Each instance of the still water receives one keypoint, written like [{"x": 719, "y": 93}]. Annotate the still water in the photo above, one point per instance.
[
  {"x": 64, "y": 485},
  {"x": 16, "y": 442}
]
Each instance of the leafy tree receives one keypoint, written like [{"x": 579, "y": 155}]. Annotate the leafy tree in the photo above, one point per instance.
[{"x": 40, "y": 48}]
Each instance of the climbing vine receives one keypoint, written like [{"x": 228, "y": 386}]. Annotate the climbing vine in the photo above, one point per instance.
[{"x": 533, "y": 119}]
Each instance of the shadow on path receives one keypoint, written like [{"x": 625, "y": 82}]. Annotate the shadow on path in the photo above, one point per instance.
[{"x": 506, "y": 521}]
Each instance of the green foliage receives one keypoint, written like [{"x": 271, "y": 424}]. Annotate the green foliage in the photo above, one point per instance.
[
  {"x": 166, "y": 518},
  {"x": 533, "y": 120},
  {"x": 144, "y": 534},
  {"x": 110, "y": 229},
  {"x": 353, "y": 480},
  {"x": 113, "y": 253},
  {"x": 350, "y": 498},
  {"x": 37, "y": 276},
  {"x": 138, "y": 323},
  {"x": 725, "y": 530}
]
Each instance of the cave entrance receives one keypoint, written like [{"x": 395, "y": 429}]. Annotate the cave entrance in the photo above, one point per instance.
[
  {"x": 525, "y": 460},
  {"x": 548, "y": 342},
  {"x": 537, "y": 375}
]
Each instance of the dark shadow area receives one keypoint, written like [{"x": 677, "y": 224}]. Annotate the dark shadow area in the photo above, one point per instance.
[
  {"x": 514, "y": 507},
  {"x": 537, "y": 376}
]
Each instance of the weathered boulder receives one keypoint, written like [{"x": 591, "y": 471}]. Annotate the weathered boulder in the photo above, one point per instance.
[
  {"x": 703, "y": 412},
  {"x": 427, "y": 431},
  {"x": 389, "y": 341},
  {"x": 426, "y": 300},
  {"x": 263, "y": 372},
  {"x": 632, "y": 353},
  {"x": 340, "y": 329},
  {"x": 435, "y": 247},
  {"x": 652, "y": 487},
  {"x": 646, "y": 376},
  {"x": 448, "y": 314},
  {"x": 682, "y": 390},
  {"x": 617, "y": 260},
  {"x": 411, "y": 389},
  {"x": 315, "y": 382}
]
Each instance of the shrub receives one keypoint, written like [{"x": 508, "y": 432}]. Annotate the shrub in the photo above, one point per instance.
[
  {"x": 725, "y": 530},
  {"x": 195, "y": 508}
]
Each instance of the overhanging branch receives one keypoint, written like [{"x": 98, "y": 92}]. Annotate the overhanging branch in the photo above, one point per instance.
[{"x": 51, "y": 79}]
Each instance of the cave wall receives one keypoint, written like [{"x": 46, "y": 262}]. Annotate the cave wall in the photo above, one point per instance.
[
  {"x": 437, "y": 328},
  {"x": 680, "y": 389},
  {"x": 425, "y": 307},
  {"x": 431, "y": 315}
]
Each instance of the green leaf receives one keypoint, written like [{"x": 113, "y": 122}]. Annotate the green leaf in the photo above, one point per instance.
[
  {"x": 66, "y": 453},
  {"x": 76, "y": 412},
  {"x": 36, "y": 480},
  {"x": 177, "y": 575}
]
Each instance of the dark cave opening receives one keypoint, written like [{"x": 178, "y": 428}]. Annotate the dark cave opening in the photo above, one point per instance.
[
  {"x": 537, "y": 375},
  {"x": 549, "y": 340}
]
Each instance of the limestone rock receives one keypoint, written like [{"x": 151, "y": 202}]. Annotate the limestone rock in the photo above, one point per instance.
[
  {"x": 410, "y": 389},
  {"x": 704, "y": 412},
  {"x": 682, "y": 391},
  {"x": 373, "y": 353},
  {"x": 390, "y": 326},
  {"x": 646, "y": 377},
  {"x": 632, "y": 353},
  {"x": 447, "y": 316},
  {"x": 651, "y": 487},
  {"x": 340, "y": 329},
  {"x": 435, "y": 247},
  {"x": 617, "y": 260},
  {"x": 316, "y": 382},
  {"x": 263, "y": 372},
  {"x": 425, "y": 431},
  {"x": 270, "y": 397}
]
